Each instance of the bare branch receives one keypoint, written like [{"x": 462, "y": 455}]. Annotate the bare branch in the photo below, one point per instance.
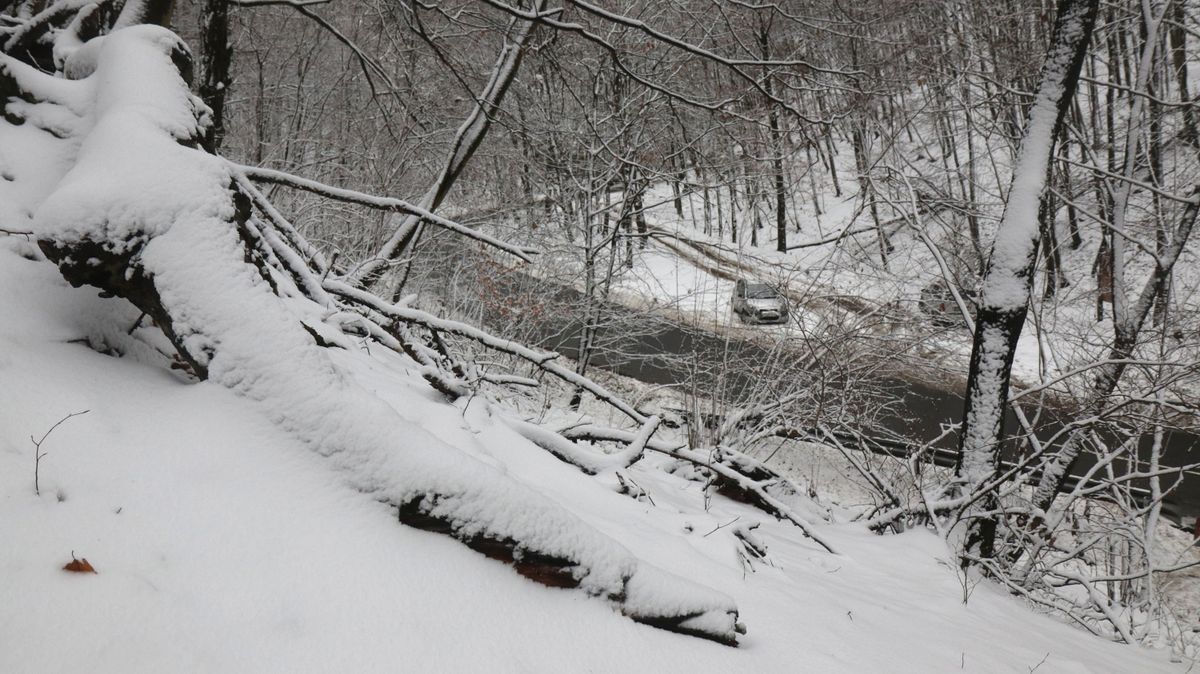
[{"x": 381, "y": 203}]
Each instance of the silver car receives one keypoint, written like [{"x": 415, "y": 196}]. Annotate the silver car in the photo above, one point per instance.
[{"x": 759, "y": 303}]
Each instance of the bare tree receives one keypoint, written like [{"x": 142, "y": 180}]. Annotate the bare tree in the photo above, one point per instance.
[{"x": 1008, "y": 281}]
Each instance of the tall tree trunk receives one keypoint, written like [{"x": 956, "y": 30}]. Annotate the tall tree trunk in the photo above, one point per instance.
[
  {"x": 216, "y": 58},
  {"x": 1009, "y": 276},
  {"x": 1046, "y": 218},
  {"x": 1178, "y": 37},
  {"x": 775, "y": 134}
]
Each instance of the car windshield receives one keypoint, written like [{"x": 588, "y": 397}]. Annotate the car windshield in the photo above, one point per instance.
[{"x": 760, "y": 291}]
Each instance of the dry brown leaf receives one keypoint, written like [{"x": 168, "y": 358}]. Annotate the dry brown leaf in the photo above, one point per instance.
[{"x": 79, "y": 566}]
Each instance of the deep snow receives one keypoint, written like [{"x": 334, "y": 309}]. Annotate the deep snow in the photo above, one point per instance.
[
  {"x": 240, "y": 524},
  {"x": 223, "y": 544}
]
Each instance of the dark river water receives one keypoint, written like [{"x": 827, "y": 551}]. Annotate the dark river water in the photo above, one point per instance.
[{"x": 652, "y": 348}]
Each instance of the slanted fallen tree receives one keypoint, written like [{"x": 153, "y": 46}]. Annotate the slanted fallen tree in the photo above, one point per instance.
[
  {"x": 144, "y": 214},
  {"x": 120, "y": 194}
]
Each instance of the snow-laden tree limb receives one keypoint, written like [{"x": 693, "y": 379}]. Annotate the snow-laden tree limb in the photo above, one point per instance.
[
  {"x": 140, "y": 211},
  {"x": 737, "y": 476},
  {"x": 542, "y": 359}
]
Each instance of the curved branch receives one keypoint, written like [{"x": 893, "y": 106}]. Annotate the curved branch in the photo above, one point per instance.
[{"x": 381, "y": 203}]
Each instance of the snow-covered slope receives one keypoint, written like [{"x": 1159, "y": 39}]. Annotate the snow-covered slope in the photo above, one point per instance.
[{"x": 224, "y": 544}]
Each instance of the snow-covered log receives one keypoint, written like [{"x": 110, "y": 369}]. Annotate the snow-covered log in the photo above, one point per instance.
[{"x": 131, "y": 204}]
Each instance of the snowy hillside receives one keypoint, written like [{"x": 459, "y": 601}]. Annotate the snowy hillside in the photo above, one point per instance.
[
  {"x": 223, "y": 544},
  {"x": 327, "y": 375}
]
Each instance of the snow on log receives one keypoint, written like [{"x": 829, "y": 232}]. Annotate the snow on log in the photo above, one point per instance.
[{"x": 143, "y": 213}]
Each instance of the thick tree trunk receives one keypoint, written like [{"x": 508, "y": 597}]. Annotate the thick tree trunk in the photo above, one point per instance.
[{"x": 1009, "y": 277}]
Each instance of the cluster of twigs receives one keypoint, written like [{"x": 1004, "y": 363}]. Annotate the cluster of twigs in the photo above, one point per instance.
[{"x": 284, "y": 255}]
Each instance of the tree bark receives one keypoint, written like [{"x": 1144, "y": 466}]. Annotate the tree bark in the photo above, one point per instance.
[
  {"x": 1008, "y": 280},
  {"x": 216, "y": 58}
]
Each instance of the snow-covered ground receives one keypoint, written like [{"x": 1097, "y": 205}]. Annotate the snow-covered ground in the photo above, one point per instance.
[{"x": 224, "y": 544}]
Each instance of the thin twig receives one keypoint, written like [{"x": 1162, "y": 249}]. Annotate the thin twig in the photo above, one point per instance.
[{"x": 37, "y": 449}]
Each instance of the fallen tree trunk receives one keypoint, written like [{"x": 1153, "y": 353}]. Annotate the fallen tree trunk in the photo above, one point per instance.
[{"x": 142, "y": 213}]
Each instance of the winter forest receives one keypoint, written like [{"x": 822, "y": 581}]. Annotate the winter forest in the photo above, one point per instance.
[{"x": 599, "y": 336}]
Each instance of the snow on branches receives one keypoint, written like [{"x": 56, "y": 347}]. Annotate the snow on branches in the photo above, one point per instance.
[{"x": 119, "y": 192}]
